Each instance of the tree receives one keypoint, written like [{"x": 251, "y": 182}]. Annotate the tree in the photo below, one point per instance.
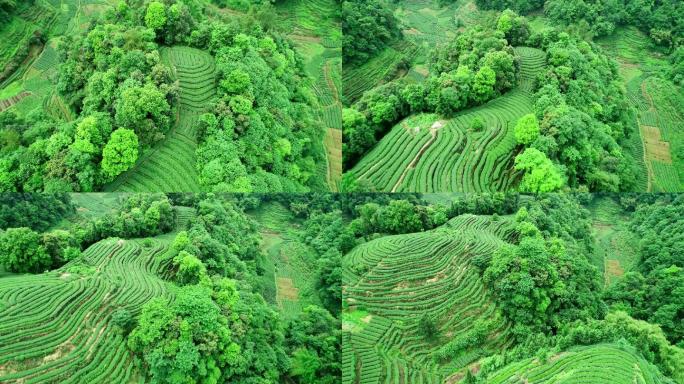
[
  {"x": 526, "y": 129},
  {"x": 477, "y": 124},
  {"x": 540, "y": 174},
  {"x": 483, "y": 84},
  {"x": 367, "y": 26},
  {"x": 144, "y": 110},
  {"x": 21, "y": 251},
  {"x": 155, "y": 17},
  {"x": 314, "y": 342},
  {"x": 123, "y": 320},
  {"x": 427, "y": 327},
  {"x": 189, "y": 269},
  {"x": 120, "y": 153},
  {"x": 187, "y": 340}
]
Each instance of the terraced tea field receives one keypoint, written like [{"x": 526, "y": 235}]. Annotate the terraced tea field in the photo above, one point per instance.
[
  {"x": 659, "y": 141},
  {"x": 390, "y": 282},
  {"x": 170, "y": 165},
  {"x": 57, "y": 326},
  {"x": 427, "y": 154},
  {"x": 289, "y": 264},
  {"x": 30, "y": 86},
  {"x": 603, "y": 363}
]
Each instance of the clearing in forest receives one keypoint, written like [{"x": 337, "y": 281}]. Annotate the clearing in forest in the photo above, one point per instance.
[
  {"x": 315, "y": 31},
  {"x": 170, "y": 165},
  {"x": 390, "y": 282}
]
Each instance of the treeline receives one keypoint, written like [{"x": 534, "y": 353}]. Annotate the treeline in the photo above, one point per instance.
[
  {"x": 475, "y": 67},
  {"x": 25, "y": 249},
  {"x": 367, "y": 27},
  {"x": 37, "y": 211}
]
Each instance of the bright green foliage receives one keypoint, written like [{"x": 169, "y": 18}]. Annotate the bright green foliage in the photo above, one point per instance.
[
  {"x": 144, "y": 110},
  {"x": 185, "y": 341},
  {"x": 120, "y": 153},
  {"x": 540, "y": 174},
  {"x": 314, "y": 339},
  {"x": 526, "y": 129},
  {"x": 190, "y": 269},
  {"x": 155, "y": 17},
  {"x": 21, "y": 250}
]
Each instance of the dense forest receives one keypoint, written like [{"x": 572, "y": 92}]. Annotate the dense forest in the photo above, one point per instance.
[{"x": 248, "y": 118}]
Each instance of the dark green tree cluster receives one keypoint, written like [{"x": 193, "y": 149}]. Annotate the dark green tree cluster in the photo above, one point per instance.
[
  {"x": 218, "y": 329},
  {"x": 140, "y": 215},
  {"x": 112, "y": 76},
  {"x": 33, "y": 210},
  {"x": 580, "y": 131},
  {"x": 475, "y": 67},
  {"x": 661, "y": 20},
  {"x": 221, "y": 237},
  {"x": 542, "y": 282},
  {"x": 23, "y": 250},
  {"x": 399, "y": 216},
  {"x": 6, "y": 9},
  {"x": 367, "y": 27},
  {"x": 655, "y": 290},
  {"x": 261, "y": 135}
]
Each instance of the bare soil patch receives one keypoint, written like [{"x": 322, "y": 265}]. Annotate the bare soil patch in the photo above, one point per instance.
[
  {"x": 286, "y": 289},
  {"x": 656, "y": 148}
]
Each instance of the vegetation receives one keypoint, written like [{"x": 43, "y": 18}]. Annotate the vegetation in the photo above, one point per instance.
[
  {"x": 588, "y": 140},
  {"x": 167, "y": 289},
  {"x": 163, "y": 96},
  {"x": 488, "y": 296}
]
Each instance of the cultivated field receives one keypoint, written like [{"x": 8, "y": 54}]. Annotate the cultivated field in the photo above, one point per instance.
[
  {"x": 289, "y": 279},
  {"x": 658, "y": 105},
  {"x": 431, "y": 155},
  {"x": 316, "y": 33},
  {"x": 390, "y": 282},
  {"x": 603, "y": 363},
  {"x": 57, "y": 326}
]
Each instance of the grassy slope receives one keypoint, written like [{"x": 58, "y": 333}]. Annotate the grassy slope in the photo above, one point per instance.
[
  {"x": 600, "y": 364},
  {"x": 444, "y": 155},
  {"x": 615, "y": 246}
]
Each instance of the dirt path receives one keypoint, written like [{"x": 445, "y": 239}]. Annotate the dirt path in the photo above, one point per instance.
[
  {"x": 9, "y": 102},
  {"x": 433, "y": 136}
]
